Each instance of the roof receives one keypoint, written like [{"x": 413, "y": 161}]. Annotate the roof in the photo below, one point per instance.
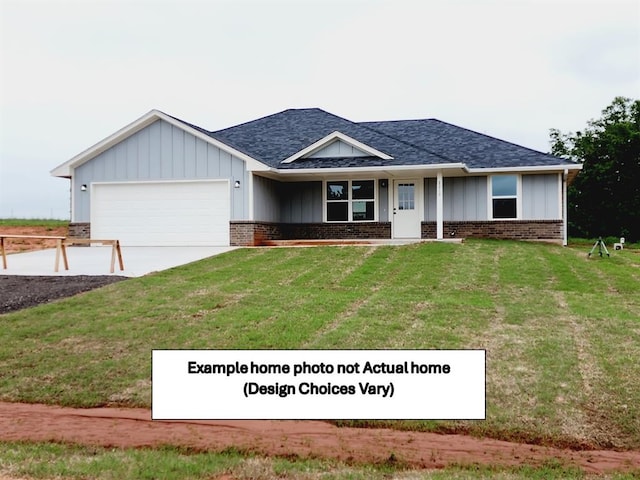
[
  {"x": 459, "y": 144},
  {"x": 279, "y": 143},
  {"x": 277, "y": 137}
]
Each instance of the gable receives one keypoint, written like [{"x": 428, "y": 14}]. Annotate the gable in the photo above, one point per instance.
[
  {"x": 65, "y": 169},
  {"x": 327, "y": 143},
  {"x": 159, "y": 151},
  {"x": 280, "y": 139},
  {"x": 338, "y": 148}
]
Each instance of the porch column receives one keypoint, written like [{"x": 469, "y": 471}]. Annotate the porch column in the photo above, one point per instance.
[
  {"x": 439, "y": 207},
  {"x": 565, "y": 235}
]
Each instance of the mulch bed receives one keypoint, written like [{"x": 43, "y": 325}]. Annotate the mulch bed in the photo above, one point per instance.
[{"x": 18, "y": 292}]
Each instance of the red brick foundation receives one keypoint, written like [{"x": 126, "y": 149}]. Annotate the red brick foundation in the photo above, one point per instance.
[
  {"x": 245, "y": 233},
  {"x": 80, "y": 230},
  {"x": 249, "y": 233},
  {"x": 505, "y": 229}
]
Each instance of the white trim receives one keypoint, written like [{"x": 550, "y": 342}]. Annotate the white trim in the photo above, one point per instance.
[
  {"x": 73, "y": 199},
  {"x": 251, "y": 206},
  {"x": 565, "y": 210},
  {"x": 65, "y": 169},
  {"x": 439, "y": 206},
  {"x": 168, "y": 180},
  {"x": 388, "y": 168},
  {"x": 540, "y": 168},
  {"x": 328, "y": 140}
]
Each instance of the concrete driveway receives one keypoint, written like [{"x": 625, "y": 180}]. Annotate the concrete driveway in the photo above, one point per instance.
[{"x": 96, "y": 260}]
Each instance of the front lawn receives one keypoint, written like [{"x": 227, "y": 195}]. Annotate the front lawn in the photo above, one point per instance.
[{"x": 562, "y": 331}]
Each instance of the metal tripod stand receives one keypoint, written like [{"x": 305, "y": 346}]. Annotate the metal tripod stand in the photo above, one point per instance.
[{"x": 601, "y": 247}]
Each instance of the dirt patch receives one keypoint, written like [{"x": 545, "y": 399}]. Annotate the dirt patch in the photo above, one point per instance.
[
  {"x": 15, "y": 245},
  {"x": 130, "y": 428}
]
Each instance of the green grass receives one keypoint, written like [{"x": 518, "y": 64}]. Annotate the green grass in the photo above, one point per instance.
[
  {"x": 562, "y": 331},
  {"x": 52, "y": 460},
  {"x": 32, "y": 222}
]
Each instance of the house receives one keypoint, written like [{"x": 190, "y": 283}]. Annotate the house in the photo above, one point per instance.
[{"x": 309, "y": 174}]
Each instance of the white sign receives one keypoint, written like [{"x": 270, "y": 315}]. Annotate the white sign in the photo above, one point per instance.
[{"x": 318, "y": 384}]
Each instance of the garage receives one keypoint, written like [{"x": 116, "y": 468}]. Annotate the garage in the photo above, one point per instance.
[{"x": 172, "y": 213}]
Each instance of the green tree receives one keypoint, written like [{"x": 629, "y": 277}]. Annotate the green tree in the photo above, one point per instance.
[{"x": 604, "y": 199}]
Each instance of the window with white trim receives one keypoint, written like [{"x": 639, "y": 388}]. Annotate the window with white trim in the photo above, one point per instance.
[
  {"x": 350, "y": 200},
  {"x": 504, "y": 196}
]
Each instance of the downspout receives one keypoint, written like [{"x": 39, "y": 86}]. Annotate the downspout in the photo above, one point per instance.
[{"x": 565, "y": 235}]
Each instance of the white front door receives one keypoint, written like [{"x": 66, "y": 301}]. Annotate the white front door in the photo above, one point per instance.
[{"x": 406, "y": 220}]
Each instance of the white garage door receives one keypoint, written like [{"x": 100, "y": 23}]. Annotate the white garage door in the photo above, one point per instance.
[{"x": 161, "y": 213}]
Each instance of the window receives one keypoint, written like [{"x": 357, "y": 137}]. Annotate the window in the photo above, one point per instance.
[
  {"x": 406, "y": 196},
  {"x": 350, "y": 201},
  {"x": 504, "y": 196}
]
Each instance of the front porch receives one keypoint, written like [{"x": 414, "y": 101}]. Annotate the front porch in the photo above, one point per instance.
[{"x": 254, "y": 233}]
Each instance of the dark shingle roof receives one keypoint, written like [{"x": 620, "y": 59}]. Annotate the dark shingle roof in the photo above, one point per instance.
[
  {"x": 276, "y": 137},
  {"x": 459, "y": 144}
]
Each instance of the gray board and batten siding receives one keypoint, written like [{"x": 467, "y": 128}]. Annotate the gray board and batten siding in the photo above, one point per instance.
[
  {"x": 542, "y": 197},
  {"x": 299, "y": 202},
  {"x": 338, "y": 149},
  {"x": 162, "y": 152},
  {"x": 466, "y": 198},
  {"x": 281, "y": 202}
]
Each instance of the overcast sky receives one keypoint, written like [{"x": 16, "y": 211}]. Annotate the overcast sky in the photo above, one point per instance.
[{"x": 72, "y": 73}]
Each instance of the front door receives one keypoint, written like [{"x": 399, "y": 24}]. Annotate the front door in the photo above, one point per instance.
[{"x": 406, "y": 209}]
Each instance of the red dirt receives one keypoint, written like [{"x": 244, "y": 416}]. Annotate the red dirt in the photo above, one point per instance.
[
  {"x": 14, "y": 245},
  {"x": 128, "y": 427}
]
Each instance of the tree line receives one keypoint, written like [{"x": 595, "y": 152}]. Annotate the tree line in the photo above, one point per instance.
[{"x": 604, "y": 199}]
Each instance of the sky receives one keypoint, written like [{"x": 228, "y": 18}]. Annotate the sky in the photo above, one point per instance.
[{"x": 74, "y": 72}]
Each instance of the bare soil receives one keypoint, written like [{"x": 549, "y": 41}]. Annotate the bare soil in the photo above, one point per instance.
[
  {"x": 128, "y": 427},
  {"x": 15, "y": 245},
  {"x": 22, "y": 291},
  {"x": 133, "y": 428}
]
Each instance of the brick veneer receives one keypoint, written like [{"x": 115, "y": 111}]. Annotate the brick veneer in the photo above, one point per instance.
[
  {"x": 248, "y": 233},
  {"x": 508, "y": 229},
  {"x": 244, "y": 233},
  {"x": 80, "y": 230}
]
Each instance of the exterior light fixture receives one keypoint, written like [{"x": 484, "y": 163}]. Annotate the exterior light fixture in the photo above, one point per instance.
[
  {"x": 83, "y": 187},
  {"x": 237, "y": 184}
]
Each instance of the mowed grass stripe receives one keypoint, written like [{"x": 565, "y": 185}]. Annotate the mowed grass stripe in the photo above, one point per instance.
[
  {"x": 561, "y": 330},
  {"x": 606, "y": 329}
]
